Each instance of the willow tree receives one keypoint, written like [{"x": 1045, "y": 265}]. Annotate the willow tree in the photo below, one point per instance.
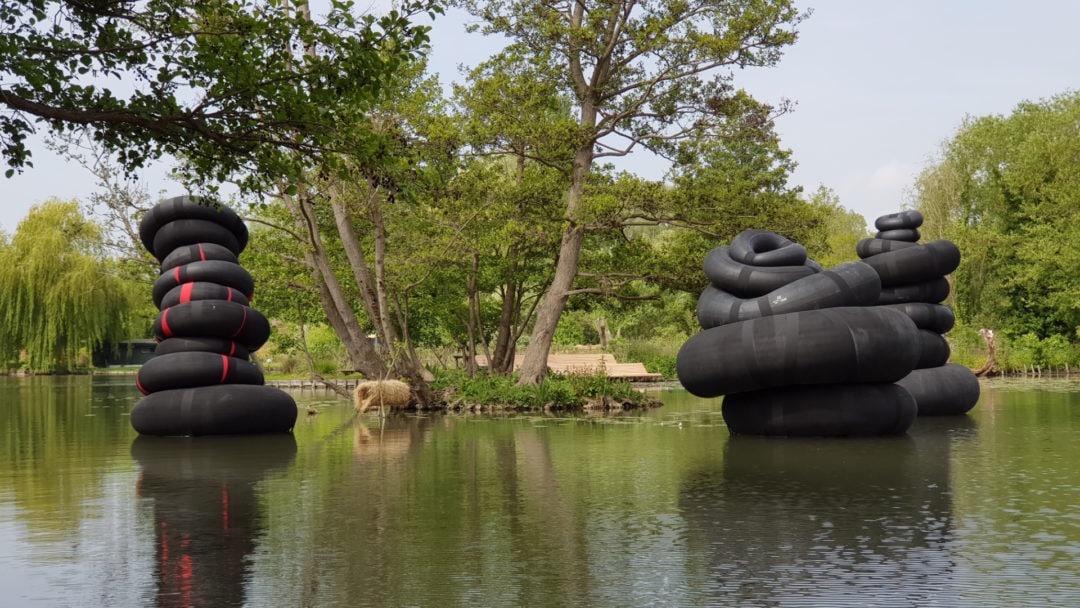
[
  {"x": 58, "y": 294},
  {"x": 641, "y": 74}
]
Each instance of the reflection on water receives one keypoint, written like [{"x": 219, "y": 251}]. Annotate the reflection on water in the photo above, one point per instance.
[
  {"x": 206, "y": 515},
  {"x": 660, "y": 508},
  {"x": 803, "y": 522}
]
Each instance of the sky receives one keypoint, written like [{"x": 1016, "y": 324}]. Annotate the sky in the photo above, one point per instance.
[{"x": 879, "y": 86}]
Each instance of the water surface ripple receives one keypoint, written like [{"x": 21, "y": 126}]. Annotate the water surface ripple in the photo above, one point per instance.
[{"x": 661, "y": 508}]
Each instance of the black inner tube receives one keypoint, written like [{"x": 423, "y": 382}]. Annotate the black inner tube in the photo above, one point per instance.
[
  {"x": 904, "y": 219},
  {"x": 197, "y": 252},
  {"x": 188, "y": 208},
  {"x": 847, "y": 284},
  {"x": 827, "y": 346},
  {"x": 210, "y": 271},
  {"x": 764, "y": 248}
]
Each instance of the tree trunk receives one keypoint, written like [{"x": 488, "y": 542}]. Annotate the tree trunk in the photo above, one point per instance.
[
  {"x": 473, "y": 322},
  {"x": 502, "y": 360},
  {"x": 534, "y": 366},
  {"x": 396, "y": 360},
  {"x": 991, "y": 350},
  {"x": 361, "y": 352},
  {"x": 374, "y": 360},
  {"x": 361, "y": 272},
  {"x": 380, "y": 275}
]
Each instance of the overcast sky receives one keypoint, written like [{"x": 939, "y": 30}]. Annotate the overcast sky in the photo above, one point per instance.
[{"x": 879, "y": 84}]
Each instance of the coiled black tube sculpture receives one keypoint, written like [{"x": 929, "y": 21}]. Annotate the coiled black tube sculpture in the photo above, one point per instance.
[
  {"x": 913, "y": 279},
  {"x": 799, "y": 350},
  {"x": 200, "y": 381}
]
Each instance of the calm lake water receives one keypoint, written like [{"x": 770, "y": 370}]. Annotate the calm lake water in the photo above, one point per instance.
[{"x": 662, "y": 508}]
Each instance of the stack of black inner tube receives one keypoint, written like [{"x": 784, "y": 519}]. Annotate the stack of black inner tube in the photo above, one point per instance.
[
  {"x": 201, "y": 380},
  {"x": 796, "y": 349},
  {"x": 913, "y": 282}
]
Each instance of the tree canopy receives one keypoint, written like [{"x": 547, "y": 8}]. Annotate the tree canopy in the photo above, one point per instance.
[
  {"x": 235, "y": 87},
  {"x": 1005, "y": 191},
  {"x": 645, "y": 74}
]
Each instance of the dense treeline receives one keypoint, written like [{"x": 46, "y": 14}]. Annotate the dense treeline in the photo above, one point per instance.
[{"x": 1005, "y": 190}]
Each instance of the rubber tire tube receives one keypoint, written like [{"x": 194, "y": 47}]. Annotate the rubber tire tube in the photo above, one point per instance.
[
  {"x": 915, "y": 264},
  {"x": 871, "y": 247},
  {"x": 847, "y": 284},
  {"x": 896, "y": 221},
  {"x": 827, "y": 346},
  {"x": 763, "y": 248},
  {"x": 949, "y": 390},
  {"x": 190, "y": 208},
  {"x": 191, "y": 369},
  {"x": 220, "y": 346},
  {"x": 228, "y": 409},
  {"x": 934, "y": 350},
  {"x": 909, "y": 235},
  {"x": 745, "y": 281},
  {"x": 935, "y": 317},
  {"x": 200, "y": 290},
  {"x": 181, "y": 233},
  {"x": 213, "y": 319},
  {"x": 210, "y": 271},
  {"x": 834, "y": 410},
  {"x": 199, "y": 252},
  {"x": 933, "y": 292}
]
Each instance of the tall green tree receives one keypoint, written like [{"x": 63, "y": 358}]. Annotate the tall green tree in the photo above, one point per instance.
[
  {"x": 346, "y": 216},
  {"x": 841, "y": 229},
  {"x": 1005, "y": 190},
  {"x": 726, "y": 180},
  {"x": 231, "y": 86},
  {"x": 518, "y": 132},
  {"x": 640, "y": 74},
  {"x": 58, "y": 294}
]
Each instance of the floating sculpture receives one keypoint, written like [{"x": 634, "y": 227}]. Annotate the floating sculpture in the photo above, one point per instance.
[
  {"x": 913, "y": 281},
  {"x": 200, "y": 380},
  {"x": 800, "y": 350}
]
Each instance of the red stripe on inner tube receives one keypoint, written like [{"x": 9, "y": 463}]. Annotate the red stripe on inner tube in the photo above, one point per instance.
[
  {"x": 242, "y": 323},
  {"x": 202, "y": 254},
  {"x": 165, "y": 323},
  {"x": 224, "y": 369},
  {"x": 185, "y": 292},
  {"x": 176, "y": 275}
]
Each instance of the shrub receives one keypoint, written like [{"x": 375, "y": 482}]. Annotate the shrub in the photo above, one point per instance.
[
  {"x": 554, "y": 392},
  {"x": 658, "y": 356}
]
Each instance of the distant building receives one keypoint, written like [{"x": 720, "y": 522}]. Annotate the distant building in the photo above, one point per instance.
[{"x": 129, "y": 352}]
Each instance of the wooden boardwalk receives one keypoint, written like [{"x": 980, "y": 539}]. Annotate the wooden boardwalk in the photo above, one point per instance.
[
  {"x": 589, "y": 364},
  {"x": 573, "y": 363},
  {"x": 311, "y": 385}
]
